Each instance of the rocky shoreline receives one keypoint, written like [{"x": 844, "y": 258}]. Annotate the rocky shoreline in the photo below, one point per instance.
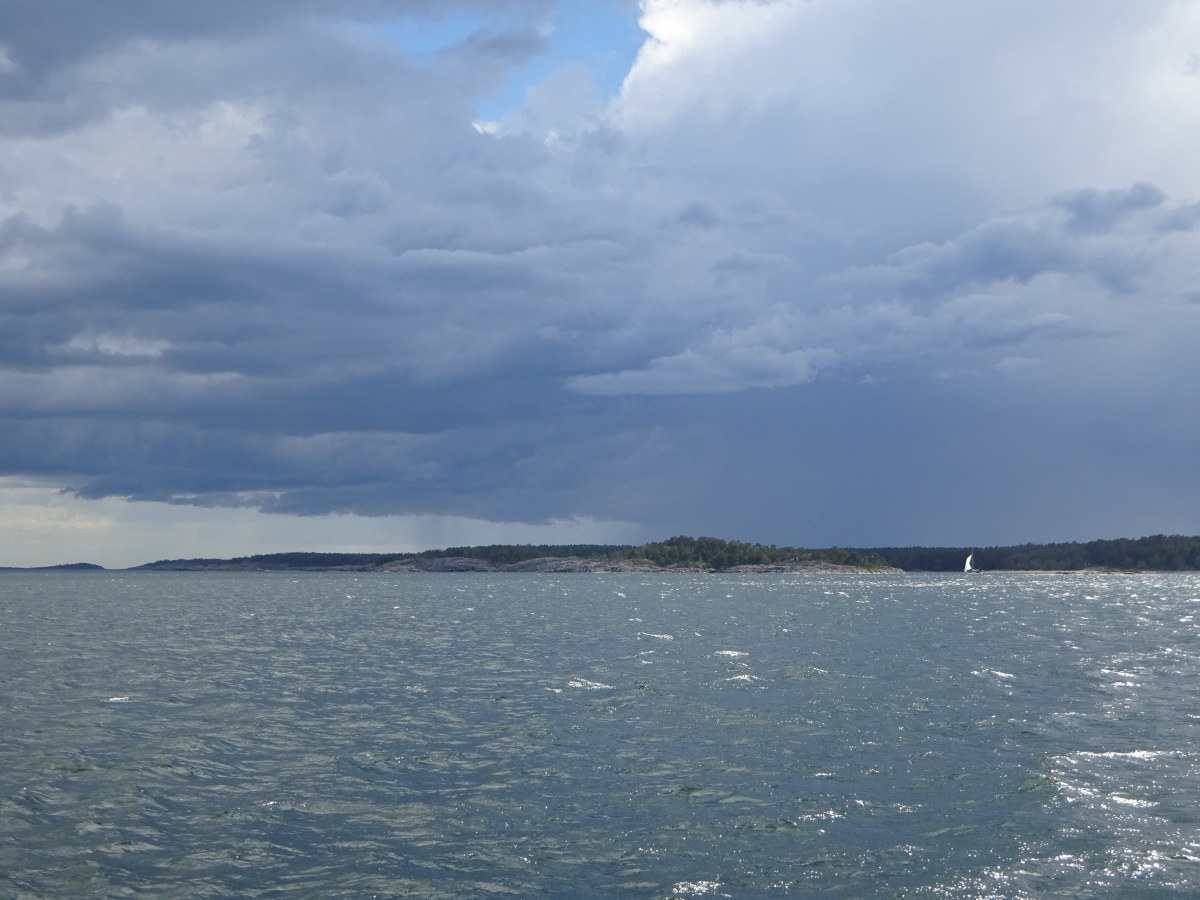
[
  {"x": 556, "y": 565},
  {"x": 682, "y": 555}
]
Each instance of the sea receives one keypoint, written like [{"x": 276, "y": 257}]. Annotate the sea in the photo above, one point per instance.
[{"x": 353, "y": 735}]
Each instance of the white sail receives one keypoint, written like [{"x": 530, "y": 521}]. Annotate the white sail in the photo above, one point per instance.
[{"x": 967, "y": 567}]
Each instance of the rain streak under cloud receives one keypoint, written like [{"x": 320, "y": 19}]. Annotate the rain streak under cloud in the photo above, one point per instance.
[{"x": 814, "y": 272}]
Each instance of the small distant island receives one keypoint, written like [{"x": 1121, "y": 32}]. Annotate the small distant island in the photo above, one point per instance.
[
  {"x": 1158, "y": 553},
  {"x": 68, "y": 567}
]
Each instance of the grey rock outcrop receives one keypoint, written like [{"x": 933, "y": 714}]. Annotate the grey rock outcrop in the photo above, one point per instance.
[
  {"x": 570, "y": 564},
  {"x": 809, "y": 567}
]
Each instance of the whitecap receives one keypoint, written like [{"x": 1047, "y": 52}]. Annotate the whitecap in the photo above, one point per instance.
[
  {"x": 731, "y": 653},
  {"x": 827, "y": 816},
  {"x": 116, "y": 700},
  {"x": 661, "y": 637},
  {"x": 588, "y": 685},
  {"x": 1131, "y": 754},
  {"x": 1128, "y": 801},
  {"x": 694, "y": 888}
]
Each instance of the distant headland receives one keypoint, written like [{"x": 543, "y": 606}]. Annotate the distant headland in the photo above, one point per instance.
[{"x": 1158, "y": 553}]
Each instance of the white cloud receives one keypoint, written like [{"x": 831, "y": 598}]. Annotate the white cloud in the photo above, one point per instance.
[
  {"x": 126, "y": 345},
  {"x": 997, "y": 103},
  {"x": 560, "y": 105},
  {"x": 695, "y": 46}
]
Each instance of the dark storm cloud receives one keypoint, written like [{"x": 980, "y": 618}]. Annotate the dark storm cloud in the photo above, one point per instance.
[{"x": 253, "y": 255}]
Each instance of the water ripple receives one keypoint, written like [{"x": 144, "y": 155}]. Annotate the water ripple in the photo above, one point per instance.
[{"x": 345, "y": 735}]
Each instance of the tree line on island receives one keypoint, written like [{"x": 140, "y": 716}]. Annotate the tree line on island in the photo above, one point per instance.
[
  {"x": 677, "y": 552},
  {"x": 1156, "y": 553},
  {"x": 706, "y": 553}
]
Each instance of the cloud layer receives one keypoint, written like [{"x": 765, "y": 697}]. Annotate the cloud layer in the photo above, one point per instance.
[{"x": 813, "y": 262}]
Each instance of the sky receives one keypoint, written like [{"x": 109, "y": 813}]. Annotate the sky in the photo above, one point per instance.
[{"x": 393, "y": 274}]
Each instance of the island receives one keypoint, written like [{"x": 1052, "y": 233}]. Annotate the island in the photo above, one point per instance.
[
  {"x": 678, "y": 554},
  {"x": 1157, "y": 553}
]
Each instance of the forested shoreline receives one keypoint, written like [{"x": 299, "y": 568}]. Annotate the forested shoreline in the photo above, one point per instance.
[
  {"x": 1157, "y": 553},
  {"x": 704, "y": 553},
  {"x": 1173, "y": 553}
]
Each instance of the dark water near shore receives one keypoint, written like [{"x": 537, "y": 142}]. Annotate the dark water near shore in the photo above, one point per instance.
[{"x": 243, "y": 735}]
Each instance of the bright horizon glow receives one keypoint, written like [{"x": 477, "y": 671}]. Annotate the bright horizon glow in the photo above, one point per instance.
[{"x": 42, "y": 526}]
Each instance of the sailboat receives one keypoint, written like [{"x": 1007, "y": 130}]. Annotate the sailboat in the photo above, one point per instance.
[{"x": 967, "y": 565}]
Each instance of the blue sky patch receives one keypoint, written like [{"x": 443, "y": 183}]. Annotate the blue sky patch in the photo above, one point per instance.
[{"x": 601, "y": 35}]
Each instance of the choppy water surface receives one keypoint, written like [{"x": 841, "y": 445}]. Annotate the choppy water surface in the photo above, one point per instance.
[{"x": 239, "y": 735}]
